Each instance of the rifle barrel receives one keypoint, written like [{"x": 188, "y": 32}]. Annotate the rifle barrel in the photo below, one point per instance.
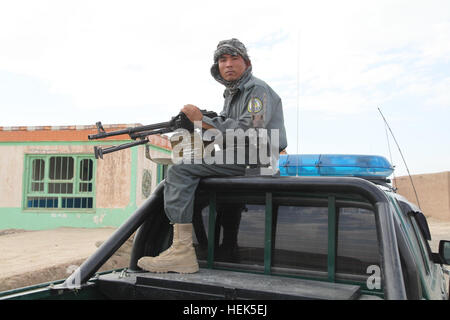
[{"x": 129, "y": 130}]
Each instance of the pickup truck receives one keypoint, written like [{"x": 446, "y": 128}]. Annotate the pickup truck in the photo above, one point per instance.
[{"x": 333, "y": 229}]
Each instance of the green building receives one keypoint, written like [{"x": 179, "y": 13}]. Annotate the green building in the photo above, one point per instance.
[{"x": 50, "y": 177}]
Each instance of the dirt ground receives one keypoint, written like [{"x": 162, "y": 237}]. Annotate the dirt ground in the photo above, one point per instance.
[{"x": 32, "y": 257}]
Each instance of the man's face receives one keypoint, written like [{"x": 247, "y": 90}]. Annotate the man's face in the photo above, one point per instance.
[{"x": 231, "y": 67}]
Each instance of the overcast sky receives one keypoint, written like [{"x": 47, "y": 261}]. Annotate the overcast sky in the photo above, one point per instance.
[{"x": 332, "y": 62}]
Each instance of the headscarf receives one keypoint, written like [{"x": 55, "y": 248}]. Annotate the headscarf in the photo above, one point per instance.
[{"x": 232, "y": 47}]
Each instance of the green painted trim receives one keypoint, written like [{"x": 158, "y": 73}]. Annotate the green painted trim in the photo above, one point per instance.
[
  {"x": 332, "y": 238},
  {"x": 25, "y": 175},
  {"x": 268, "y": 235},
  {"x": 159, "y": 172},
  {"x": 16, "y": 218},
  {"x": 159, "y": 168},
  {"x": 37, "y": 291},
  {"x": 44, "y": 291},
  {"x": 211, "y": 229},
  {"x": 159, "y": 148}
]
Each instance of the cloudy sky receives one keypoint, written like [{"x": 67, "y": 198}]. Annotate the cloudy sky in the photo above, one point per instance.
[{"x": 334, "y": 63}]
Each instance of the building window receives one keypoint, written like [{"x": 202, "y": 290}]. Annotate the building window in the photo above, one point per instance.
[{"x": 59, "y": 182}]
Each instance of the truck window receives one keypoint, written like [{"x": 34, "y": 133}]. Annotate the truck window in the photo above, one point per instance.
[
  {"x": 357, "y": 247},
  {"x": 299, "y": 236},
  {"x": 301, "y": 241},
  {"x": 422, "y": 244},
  {"x": 239, "y": 235},
  {"x": 412, "y": 238}
]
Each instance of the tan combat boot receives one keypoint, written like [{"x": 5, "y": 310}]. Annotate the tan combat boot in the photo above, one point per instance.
[{"x": 180, "y": 257}]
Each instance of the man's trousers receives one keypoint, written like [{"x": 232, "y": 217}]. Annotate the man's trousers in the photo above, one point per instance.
[{"x": 181, "y": 183}]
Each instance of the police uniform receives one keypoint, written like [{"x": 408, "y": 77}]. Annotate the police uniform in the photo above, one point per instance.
[
  {"x": 252, "y": 99},
  {"x": 249, "y": 103}
]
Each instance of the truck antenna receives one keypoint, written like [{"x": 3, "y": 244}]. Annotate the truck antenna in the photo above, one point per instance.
[
  {"x": 401, "y": 154},
  {"x": 390, "y": 155},
  {"x": 298, "y": 93}
]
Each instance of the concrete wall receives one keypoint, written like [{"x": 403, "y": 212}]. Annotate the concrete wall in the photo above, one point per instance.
[
  {"x": 113, "y": 181},
  {"x": 11, "y": 171},
  {"x": 433, "y": 191}
]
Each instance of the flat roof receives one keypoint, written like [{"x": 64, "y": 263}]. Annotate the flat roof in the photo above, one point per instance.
[{"x": 71, "y": 133}]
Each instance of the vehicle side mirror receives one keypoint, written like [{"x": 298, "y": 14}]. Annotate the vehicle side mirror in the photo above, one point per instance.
[{"x": 444, "y": 251}]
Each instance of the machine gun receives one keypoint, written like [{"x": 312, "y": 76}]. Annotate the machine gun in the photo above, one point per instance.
[{"x": 140, "y": 133}]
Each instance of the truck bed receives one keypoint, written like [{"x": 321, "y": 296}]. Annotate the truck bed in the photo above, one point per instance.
[{"x": 220, "y": 284}]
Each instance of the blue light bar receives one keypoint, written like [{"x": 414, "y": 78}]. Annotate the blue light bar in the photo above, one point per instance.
[{"x": 342, "y": 165}]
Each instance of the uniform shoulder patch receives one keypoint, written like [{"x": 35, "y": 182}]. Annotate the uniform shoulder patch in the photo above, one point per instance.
[{"x": 255, "y": 105}]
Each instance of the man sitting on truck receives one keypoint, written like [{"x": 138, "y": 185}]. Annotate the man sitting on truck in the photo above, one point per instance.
[{"x": 249, "y": 103}]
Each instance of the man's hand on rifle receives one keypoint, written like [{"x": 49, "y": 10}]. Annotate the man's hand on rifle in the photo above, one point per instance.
[{"x": 194, "y": 114}]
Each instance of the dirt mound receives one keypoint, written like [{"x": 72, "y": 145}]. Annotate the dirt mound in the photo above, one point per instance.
[{"x": 55, "y": 273}]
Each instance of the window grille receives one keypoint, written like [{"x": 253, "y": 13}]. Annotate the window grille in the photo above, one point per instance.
[{"x": 59, "y": 182}]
